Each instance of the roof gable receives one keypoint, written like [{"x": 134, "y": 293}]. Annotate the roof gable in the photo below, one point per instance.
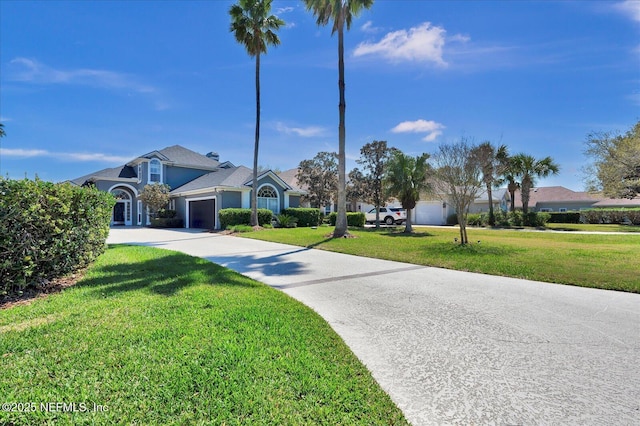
[{"x": 177, "y": 155}]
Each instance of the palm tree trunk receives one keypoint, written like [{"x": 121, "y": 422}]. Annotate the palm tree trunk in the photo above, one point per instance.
[
  {"x": 525, "y": 192},
  {"x": 408, "y": 226},
  {"x": 341, "y": 221},
  {"x": 512, "y": 192},
  {"x": 492, "y": 217},
  {"x": 254, "y": 186}
]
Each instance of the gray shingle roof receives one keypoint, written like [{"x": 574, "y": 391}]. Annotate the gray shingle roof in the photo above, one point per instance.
[
  {"x": 182, "y": 156},
  {"x": 112, "y": 173},
  {"x": 231, "y": 178}
]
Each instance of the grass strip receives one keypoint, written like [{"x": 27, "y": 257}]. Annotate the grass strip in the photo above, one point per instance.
[{"x": 158, "y": 337}]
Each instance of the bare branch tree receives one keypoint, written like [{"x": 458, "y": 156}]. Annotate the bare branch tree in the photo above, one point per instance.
[{"x": 458, "y": 179}]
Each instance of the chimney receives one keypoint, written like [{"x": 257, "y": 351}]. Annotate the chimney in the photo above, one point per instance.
[{"x": 214, "y": 156}]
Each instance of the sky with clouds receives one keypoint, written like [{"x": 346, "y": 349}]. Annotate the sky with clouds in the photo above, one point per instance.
[{"x": 90, "y": 85}]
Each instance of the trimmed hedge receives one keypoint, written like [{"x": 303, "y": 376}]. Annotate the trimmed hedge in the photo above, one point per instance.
[
  {"x": 49, "y": 230},
  {"x": 515, "y": 219},
  {"x": 167, "y": 222},
  {"x": 353, "y": 219},
  {"x": 306, "y": 217},
  {"x": 232, "y": 217},
  {"x": 611, "y": 216},
  {"x": 567, "y": 217}
]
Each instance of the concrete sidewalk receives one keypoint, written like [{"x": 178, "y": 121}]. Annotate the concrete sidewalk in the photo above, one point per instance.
[{"x": 452, "y": 347}]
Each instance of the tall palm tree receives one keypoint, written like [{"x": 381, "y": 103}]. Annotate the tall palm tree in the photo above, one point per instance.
[
  {"x": 507, "y": 174},
  {"x": 488, "y": 157},
  {"x": 341, "y": 12},
  {"x": 529, "y": 169},
  {"x": 406, "y": 178},
  {"x": 254, "y": 28}
]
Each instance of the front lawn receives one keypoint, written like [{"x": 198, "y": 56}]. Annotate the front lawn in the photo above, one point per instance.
[
  {"x": 601, "y": 261},
  {"x": 157, "y": 337}
]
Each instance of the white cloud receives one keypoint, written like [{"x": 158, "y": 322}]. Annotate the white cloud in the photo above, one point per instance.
[
  {"x": 284, "y": 10},
  {"x": 423, "y": 43},
  {"x": 30, "y": 70},
  {"x": 368, "y": 27},
  {"x": 432, "y": 128},
  {"x": 69, "y": 156},
  {"x": 24, "y": 153},
  {"x": 631, "y": 8},
  {"x": 305, "y": 132}
]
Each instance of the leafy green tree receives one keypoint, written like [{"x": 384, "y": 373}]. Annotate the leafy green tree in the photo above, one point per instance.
[
  {"x": 458, "y": 178},
  {"x": 489, "y": 157},
  {"x": 529, "y": 169},
  {"x": 319, "y": 177},
  {"x": 254, "y": 28},
  {"x": 374, "y": 158},
  {"x": 357, "y": 187},
  {"x": 406, "y": 178},
  {"x": 2, "y": 132},
  {"x": 341, "y": 13},
  {"x": 155, "y": 196},
  {"x": 616, "y": 167}
]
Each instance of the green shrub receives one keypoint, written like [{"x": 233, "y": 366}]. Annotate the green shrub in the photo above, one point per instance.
[
  {"x": 515, "y": 218},
  {"x": 306, "y": 217},
  {"x": 536, "y": 218},
  {"x": 611, "y": 216},
  {"x": 502, "y": 218},
  {"x": 475, "y": 219},
  {"x": 286, "y": 221},
  {"x": 231, "y": 217},
  {"x": 452, "y": 219},
  {"x": 49, "y": 230},
  {"x": 167, "y": 214},
  {"x": 353, "y": 219},
  {"x": 163, "y": 222},
  {"x": 566, "y": 217}
]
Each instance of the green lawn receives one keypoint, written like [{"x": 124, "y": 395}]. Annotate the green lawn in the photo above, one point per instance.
[
  {"x": 592, "y": 228},
  {"x": 601, "y": 261},
  {"x": 160, "y": 338}
]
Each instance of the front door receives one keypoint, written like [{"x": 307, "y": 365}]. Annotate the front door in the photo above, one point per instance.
[{"x": 118, "y": 213}]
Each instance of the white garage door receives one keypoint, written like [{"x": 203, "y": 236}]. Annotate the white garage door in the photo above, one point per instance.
[{"x": 429, "y": 213}]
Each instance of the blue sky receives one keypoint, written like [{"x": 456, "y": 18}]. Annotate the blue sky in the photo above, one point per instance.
[{"x": 89, "y": 85}]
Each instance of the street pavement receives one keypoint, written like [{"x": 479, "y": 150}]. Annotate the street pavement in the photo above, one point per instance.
[{"x": 454, "y": 347}]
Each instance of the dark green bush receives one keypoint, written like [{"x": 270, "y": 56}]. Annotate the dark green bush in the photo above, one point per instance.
[
  {"x": 167, "y": 214},
  {"x": 475, "y": 219},
  {"x": 165, "y": 222},
  {"x": 536, "y": 218},
  {"x": 306, "y": 217},
  {"x": 49, "y": 230},
  {"x": 232, "y": 217},
  {"x": 452, "y": 219},
  {"x": 611, "y": 216},
  {"x": 353, "y": 219},
  {"x": 566, "y": 217}
]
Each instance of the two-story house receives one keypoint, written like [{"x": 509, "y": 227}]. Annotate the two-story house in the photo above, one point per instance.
[{"x": 200, "y": 186}]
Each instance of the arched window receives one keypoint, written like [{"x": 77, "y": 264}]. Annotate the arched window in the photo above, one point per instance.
[
  {"x": 268, "y": 198},
  {"x": 121, "y": 195},
  {"x": 155, "y": 171}
]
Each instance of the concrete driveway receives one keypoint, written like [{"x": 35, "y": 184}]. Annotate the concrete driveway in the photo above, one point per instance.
[{"x": 453, "y": 347}]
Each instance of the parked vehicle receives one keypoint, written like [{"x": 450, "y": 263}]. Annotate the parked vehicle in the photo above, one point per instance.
[{"x": 388, "y": 215}]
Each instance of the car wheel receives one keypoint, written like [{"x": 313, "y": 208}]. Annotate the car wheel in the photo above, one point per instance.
[{"x": 388, "y": 220}]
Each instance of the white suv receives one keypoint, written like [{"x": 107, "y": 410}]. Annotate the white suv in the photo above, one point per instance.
[{"x": 388, "y": 215}]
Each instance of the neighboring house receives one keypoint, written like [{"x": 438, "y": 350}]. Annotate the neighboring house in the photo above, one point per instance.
[
  {"x": 200, "y": 186},
  {"x": 499, "y": 198},
  {"x": 557, "y": 199}
]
